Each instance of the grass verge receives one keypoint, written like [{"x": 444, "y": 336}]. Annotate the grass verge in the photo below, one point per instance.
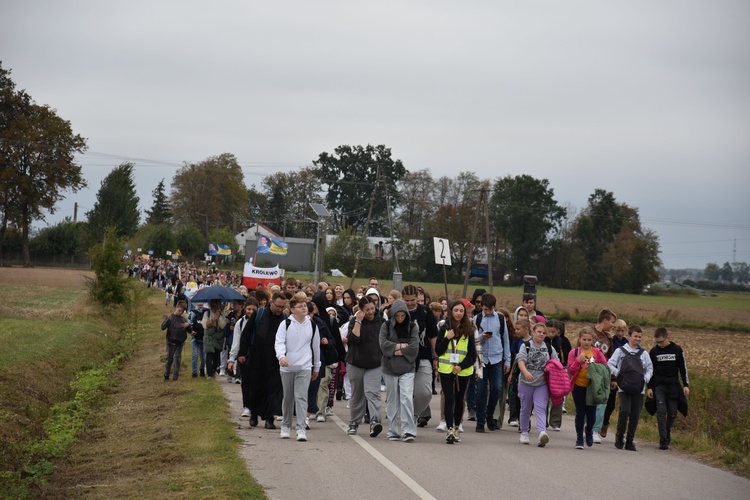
[
  {"x": 91, "y": 417},
  {"x": 156, "y": 439}
]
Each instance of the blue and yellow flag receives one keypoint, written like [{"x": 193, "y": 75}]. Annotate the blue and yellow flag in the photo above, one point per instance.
[{"x": 267, "y": 244}]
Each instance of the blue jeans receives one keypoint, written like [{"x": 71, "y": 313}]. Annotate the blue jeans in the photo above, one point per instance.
[
  {"x": 198, "y": 352},
  {"x": 471, "y": 394},
  {"x": 493, "y": 375}
]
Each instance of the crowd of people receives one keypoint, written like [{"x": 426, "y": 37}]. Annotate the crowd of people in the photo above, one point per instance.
[{"x": 299, "y": 350}]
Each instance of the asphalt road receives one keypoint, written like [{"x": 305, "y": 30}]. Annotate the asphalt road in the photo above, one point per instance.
[{"x": 332, "y": 465}]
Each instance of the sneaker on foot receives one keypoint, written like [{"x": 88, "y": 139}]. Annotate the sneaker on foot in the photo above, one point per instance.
[
  {"x": 320, "y": 418},
  {"x": 253, "y": 420},
  {"x": 480, "y": 428},
  {"x": 352, "y": 428},
  {"x": 307, "y": 423},
  {"x": 301, "y": 435},
  {"x": 457, "y": 434},
  {"x": 441, "y": 426},
  {"x": 245, "y": 413},
  {"x": 284, "y": 433},
  {"x": 408, "y": 438},
  {"x": 589, "y": 439},
  {"x": 543, "y": 439},
  {"x": 277, "y": 418},
  {"x": 472, "y": 415},
  {"x": 524, "y": 439},
  {"x": 237, "y": 381},
  {"x": 460, "y": 427},
  {"x": 449, "y": 437},
  {"x": 329, "y": 410},
  {"x": 556, "y": 429},
  {"x": 597, "y": 438},
  {"x": 421, "y": 422},
  {"x": 382, "y": 388},
  {"x": 579, "y": 443},
  {"x": 393, "y": 438},
  {"x": 630, "y": 446},
  {"x": 270, "y": 424},
  {"x": 513, "y": 423},
  {"x": 375, "y": 429}
]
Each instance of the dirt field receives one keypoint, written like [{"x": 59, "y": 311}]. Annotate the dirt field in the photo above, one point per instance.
[{"x": 44, "y": 276}]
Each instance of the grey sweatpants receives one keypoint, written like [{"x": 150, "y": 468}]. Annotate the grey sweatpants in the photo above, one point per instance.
[
  {"x": 365, "y": 392},
  {"x": 295, "y": 386}
]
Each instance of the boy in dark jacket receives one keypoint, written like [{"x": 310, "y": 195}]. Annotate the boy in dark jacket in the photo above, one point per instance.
[{"x": 669, "y": 361}]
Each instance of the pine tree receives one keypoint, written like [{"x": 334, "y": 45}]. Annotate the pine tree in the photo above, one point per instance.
[{"x": 159, "y": 213}]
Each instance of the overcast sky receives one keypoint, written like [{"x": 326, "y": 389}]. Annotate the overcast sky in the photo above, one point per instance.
[{"x": 648, "y": 99}]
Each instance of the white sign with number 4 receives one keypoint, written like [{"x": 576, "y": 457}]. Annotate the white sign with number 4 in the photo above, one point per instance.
[{"x": 442, "y": 251}]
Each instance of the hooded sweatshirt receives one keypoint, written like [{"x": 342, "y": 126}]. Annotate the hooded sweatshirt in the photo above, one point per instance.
[
  {"x": 364, "y": 351},
  {"x": 299, "y": 344},
  {"x": 389, "y": 337}
]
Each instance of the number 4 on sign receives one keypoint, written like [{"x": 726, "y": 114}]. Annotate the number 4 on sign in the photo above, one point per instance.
[{"x": 442, "y": 251}]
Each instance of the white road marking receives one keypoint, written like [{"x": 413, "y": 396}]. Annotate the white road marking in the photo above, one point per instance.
[{"x": 401, "y": 475}]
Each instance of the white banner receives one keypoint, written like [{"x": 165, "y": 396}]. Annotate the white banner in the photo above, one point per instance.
[{"x": 261, "y": 273}]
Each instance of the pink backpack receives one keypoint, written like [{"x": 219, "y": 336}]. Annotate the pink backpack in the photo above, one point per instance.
[{"x": 557, "y": 381}]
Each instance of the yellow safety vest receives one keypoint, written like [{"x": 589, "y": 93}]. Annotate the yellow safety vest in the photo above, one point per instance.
[{"x": 461, "y": 348}]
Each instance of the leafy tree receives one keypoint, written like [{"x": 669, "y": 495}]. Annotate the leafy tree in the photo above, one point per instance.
[
  {"x": 727, "y": 274},
  {"x": 160, "y": 239},
  {"x": 593, "y": 231},
  {"x": 288, "y": 196},
  {"x": 116, "y": 204},
  {"x": 160, "y": 212},
  {"x": 741, "y": 272},
  {"x": 64, "y": 238},
  {"x": 208, "y": 194},
  {"x": 36, "y": 160},
  {"x": 109, "y": 286},
  {"x": 525, "y": 214},
  {"x": 712, "y": 272},
  {"x": 417, "y": 194},
  {"x": 632, "y": 259},
  {"x": 190, "y": 241},
  {"x": 350, "y": 175},
  {"x": 342, "y": 251}
]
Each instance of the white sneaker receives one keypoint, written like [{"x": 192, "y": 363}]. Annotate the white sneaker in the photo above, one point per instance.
[
  {"x": 284, "y": 433},
  {"x": 556, "y": 429},
  {"x": 441, "y": 426},
  {"x": 307, "y": 423},
  {"x": 320, "y": 418},
  {"x": 237, "y": 381},
  {"x": 301, "y": 435},
  {"x": 461, "y": 427},
  {"x": 597, "y": 438},
  {"x": 245, "y": 413},
  {"x": 513, "y": 423},
  {"x": 230, "y": 379},
  {"x": 382, "y": 388},
  {"x": 329, "y": 410},
  {"x": 524, "y": 438},
  {"x": 278, "y": 418},
  {"x": 543, "y": 439}
]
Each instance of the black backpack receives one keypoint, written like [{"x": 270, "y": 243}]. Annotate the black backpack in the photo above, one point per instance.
[
  {"x": 630, "y": 378},
  {"x": 478, "y": 322}
]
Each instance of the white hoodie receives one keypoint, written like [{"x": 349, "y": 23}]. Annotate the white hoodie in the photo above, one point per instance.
[{"x": 294, "y": 343}]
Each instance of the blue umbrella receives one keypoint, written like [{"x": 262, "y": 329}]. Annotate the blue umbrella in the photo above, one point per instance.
[{"x": 216, "y": 292}]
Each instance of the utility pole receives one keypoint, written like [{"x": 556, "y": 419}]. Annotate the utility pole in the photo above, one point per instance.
[
  {"x": 471, "y": 246},
  {"x": 396, "y": 271},
  {"x": 487, "y": 229},
  {"x": 75, "y": 212},
  {"x": 367, "y": 226}
]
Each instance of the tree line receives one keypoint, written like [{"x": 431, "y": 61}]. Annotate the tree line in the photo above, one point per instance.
[{"x": 514, "y": 222}]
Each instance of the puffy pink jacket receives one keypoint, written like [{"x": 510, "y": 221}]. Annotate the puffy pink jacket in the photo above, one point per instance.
[
  {"x": 574, "y": 366},
  {"x": 557, "y": 381}
]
